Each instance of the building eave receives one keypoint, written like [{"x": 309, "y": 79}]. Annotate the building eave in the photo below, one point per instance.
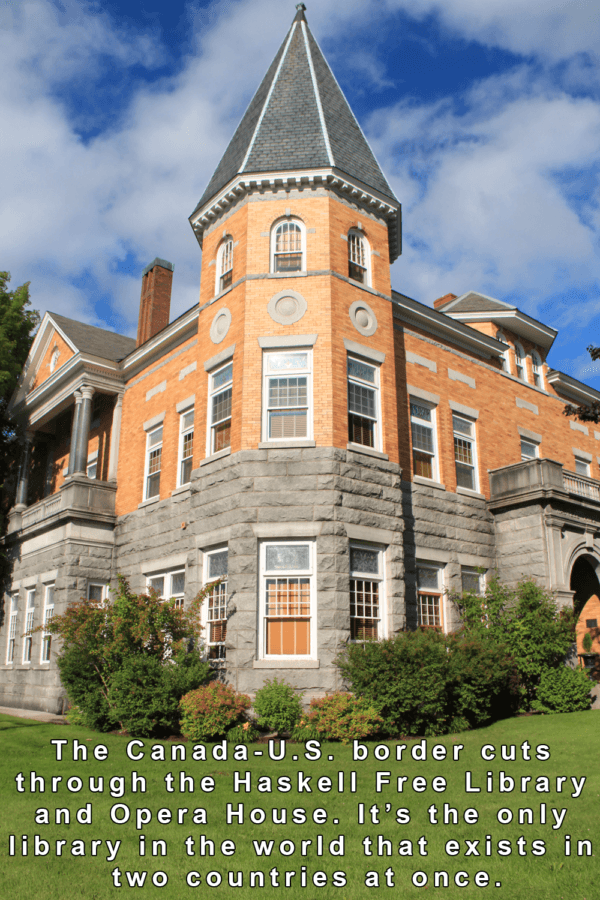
[
  {"x": 513, "y": 319},
  {"x": 175, "y": 333},
  {"x": 573, "y": 390}
]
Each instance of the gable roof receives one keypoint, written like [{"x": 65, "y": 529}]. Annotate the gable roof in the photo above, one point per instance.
[
  {"x": 473, "y": 301},
  {"x": 298, "y": 119},
  {"x": 90, "y": 339},
  {"x": 475, "y": 307}
]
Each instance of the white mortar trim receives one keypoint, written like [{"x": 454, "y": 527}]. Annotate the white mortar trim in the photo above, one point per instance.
[
  {"x": 219, "y": 358},
  {"x": 149, "y": 424},
  {"x": 185, "y": 404},
  {"x": 459, "y": 376},
  {"x": 317, "y": 96},
  {"x": 371, "y": 534},
  {"x": 270, "y": 342},
  {"x": 187, "y": 370},
  {"x": 576, "y": 426},
  {"x": 157, "y": 389},
  {"x": 212, "y": 538},
  {"x": 530, "y": 435},
  {"x": 421, "y": 361},
  {"x": 524, "y": 404},
  {"x": 273, "y": 530},
  {"x": 285, "y": 664},
  {"x": 581, "y": 454},
  {"x": 465, "y": 410},
  {"x": 420, "y": 394},
  {"x": 175, "y": 561},
  {"x": 427, "y": 554},
  {"x": 375, "y": 356}
]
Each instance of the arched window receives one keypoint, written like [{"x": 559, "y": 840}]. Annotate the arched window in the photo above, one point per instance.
[
  {"x": 504, "y": 358},
  {"x": 520, "y": 362},
  {"x": 54, "y": 358},
  {"x": 358, "y": 258},
  {"x": 224, "y": 264},
  {"x": 287, "y": 250},
  {"x": 536, "y": 368}
]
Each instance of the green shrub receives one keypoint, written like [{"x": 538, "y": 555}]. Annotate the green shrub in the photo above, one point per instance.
[
  {"x": 587, "y": 642},
  {"x": 340, "y": 717},
  {"x": 484, "y": 682},
  {"x": 563, "y": 690},
  {"x": 277, "y": 706},
  {"x": 243, "y": 734},
  {"x": 211, "y": 711}
]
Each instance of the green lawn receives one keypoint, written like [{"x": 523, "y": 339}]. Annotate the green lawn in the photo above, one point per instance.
[{"x": 573, "y": 741}]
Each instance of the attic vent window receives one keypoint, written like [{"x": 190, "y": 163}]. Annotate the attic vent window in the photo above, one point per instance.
[
  {"x": 54, "y": 358},
  {"x": 287, "y": 247}
]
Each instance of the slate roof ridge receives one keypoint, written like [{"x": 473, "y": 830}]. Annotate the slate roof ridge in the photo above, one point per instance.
[{"x": 92, "y": 339}]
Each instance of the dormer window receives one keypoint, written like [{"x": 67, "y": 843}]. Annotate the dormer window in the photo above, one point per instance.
[
  {"x": 358, "y": 258},
  {"x": 287, "y": 250},
  {"x": 536, "y": 368},
  {"x": 520, "y": 362},
  {"x": 504, "y": 358},
  {"x": 224, "y": 265}
]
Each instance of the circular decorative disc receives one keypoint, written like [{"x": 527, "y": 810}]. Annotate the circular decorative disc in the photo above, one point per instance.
[
  {"x": 287, "y": 307},
  {"x": 363, "y": 318},
  {"x": 220, "y": 325}
]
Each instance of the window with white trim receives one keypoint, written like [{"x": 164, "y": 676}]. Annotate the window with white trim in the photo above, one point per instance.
[
  {"x": 97, "y": 592},
  {"x": 154, "y": 442},
  {"x": 366, "y": 592},
  {"x": 529, "y": 449},
  {"x": 536, "y": 368},
  {"x": 214, "y": 608},
  {"x": 186, "y": 447},
  {"x": 287, "y": 395},
  {"x": 219, "y": 411},
  {"x": 464, "y": 452},
  {"x": 520, "y": 362},
  {"x": 504, "y": 359},
  {"x": 358, "y": 258},
  {"x": 363, "y": 403},
  {"x": 92, "y": 465},
  {"x": 582, "y": 466},
  {"x": 287, "y": 620},
  {"x": 471, "y": 580},
  {"x": 29, "y": 616},
  {"x": 12, "y": 628},
  {"x": 169, "y": 586},
  {"x": 430, "y": 595},
  {"x": 287, "y": 250},
  {"x": 224, "y": 265},
  {"x": 48, "y": 613},
  {"x": 422, "y": 423}
]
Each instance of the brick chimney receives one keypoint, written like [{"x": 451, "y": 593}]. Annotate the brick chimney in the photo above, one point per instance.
[
  {"x": 155, "y": 302},
  {"x": 441, "y": 301}
]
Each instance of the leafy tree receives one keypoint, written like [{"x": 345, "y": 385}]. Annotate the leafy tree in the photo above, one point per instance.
[
  {"x": 589, "y": 413},
  {"x": 17, "y": 325},
  {"x": 129, "y": 661}
]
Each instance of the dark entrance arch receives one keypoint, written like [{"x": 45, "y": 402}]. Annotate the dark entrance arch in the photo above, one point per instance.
[{"x": 584, "y": 582}]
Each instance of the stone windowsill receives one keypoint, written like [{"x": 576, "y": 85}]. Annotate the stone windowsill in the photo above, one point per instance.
[
  {"x": 181, "y": 490},
  {"x": 429, "y": 482},
  {"x": 469, "y": 493},
  {"x": 219, "y": 455},
  {"x": 285, "y": 664},
  {"x": 287, "y": 275},
  {"x": 360, "y": 448},
  {"x": 149, "y": 502},
  {"x": 284, "y": 445}
]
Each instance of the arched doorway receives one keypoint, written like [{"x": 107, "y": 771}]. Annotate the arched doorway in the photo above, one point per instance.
[{"x": 586, "y": 601}]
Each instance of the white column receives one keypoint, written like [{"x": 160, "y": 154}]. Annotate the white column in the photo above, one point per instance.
[{"x": 115, "y": 437}]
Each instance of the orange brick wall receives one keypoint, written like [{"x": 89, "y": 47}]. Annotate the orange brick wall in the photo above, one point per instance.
[{"x": 65, "y": 353}]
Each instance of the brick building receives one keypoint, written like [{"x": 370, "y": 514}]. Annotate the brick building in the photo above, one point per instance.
[{"x": 343, "y": 454}]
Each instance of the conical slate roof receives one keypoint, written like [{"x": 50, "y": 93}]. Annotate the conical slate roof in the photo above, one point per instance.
[{"x": 298, "y": 119}]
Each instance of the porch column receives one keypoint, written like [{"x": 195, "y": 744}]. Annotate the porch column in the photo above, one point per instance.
[
  {"x": 83, "y": 430},
  {"x": 74, "y": 429},
  {"x": 115, "y": 436},
  {"x": 23, "y": 482}
]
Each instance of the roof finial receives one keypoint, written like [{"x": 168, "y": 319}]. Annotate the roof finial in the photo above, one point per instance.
[{"x": 300, "y": 7}]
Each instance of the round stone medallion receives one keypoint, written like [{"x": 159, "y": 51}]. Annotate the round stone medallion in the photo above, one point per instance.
[
  {"x": 220, "y": 325},
  {"x": 363, "y": 318},
  {"x": 287, "y": 307}
]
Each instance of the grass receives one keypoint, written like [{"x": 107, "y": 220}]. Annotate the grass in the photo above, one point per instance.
[{"x": 573, "y": 742}]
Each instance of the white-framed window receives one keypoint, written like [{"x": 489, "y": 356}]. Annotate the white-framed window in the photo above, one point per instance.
[
  {"x": 287, "y": 395},
  {"x": 154, "y": 441},
  {"x": 422, "y": 424},
  {"x": 287, "y": 246},
  {"x": 520, "y": 362},
  {"x": 472, "y": 580},
  {"x": 363, "y": 403},
  {"x": 92, "y": 465},
  {"x": 48, "y": 613},
  {"x": 465, "y": 455},
  {"x": 529, "y": 449},
  {"x": 219, "y": 408},
  {"x": 169, "y": 586},
  {"x": 287, "y": 600},
  {"x": 224, "y": 264},
  {"x": 582, "y": 466},
  {"x": 430, "y": 593},
  {"x": 214, "y": 608},
  {"x": 359, "y": 258},
  {"x": 97, "y": 592},
  {"x": 186, "y": 447},
  {"x": 504, "y": 359},
  {"x": 29, "y": 616},
  {"x": 12, "y": 628},
  {"x": 536, "y": 368},
  {"x": 366, "y": 592}
]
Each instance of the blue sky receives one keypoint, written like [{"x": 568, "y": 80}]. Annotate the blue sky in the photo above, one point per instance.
[{"x": 485, "y": 117}]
